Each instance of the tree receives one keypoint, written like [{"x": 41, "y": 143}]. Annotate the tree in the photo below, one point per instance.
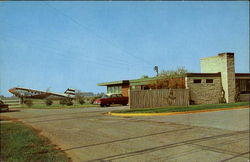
[
  {"x": 180, "y": 72},
  {"x": 66, "y": 101},
  {"x": 79, "y": 97},
  {"x": 144, "y": 76},
  {"x": 169, "y": 79},
  {"x": 62, "y": 102},
  {"x": 29, "y": 103},
  {"x": 81, "y": 101}
]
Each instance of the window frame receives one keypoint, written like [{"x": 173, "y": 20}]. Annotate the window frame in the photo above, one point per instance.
[
  {"x": 195, "y": 81},
  {"x": 208, "y": 81}
]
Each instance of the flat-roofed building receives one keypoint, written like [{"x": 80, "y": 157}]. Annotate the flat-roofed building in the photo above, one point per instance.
[{"x": 217, "y": 82}]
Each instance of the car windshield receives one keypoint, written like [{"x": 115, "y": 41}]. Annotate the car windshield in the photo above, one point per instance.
[
  {"x": 119, "y": 95},
  {"x": 116, "y": 95},
  {"x": 105, "y": 96}
]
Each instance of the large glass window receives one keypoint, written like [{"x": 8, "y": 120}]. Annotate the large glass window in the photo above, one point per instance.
[
  {"x": 114, "y": 89},
  {"x": 108, "y": 89},
  {"x": 243, "y": 85}
]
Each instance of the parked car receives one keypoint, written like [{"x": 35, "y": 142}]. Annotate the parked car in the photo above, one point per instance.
[
  {"x": 107, "y": 100},
  {"x": 3, "y": 107}
]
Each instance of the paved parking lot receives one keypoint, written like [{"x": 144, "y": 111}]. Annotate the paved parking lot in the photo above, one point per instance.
[{"x": 89, "y": 135}]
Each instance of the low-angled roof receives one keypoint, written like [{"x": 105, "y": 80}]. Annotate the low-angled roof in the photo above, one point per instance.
[
  {"x": 114, "y": 83},
  {"x": 142, "y": 81},
  {"x": 145, "y": 81},
  {"x": 242, "y": 74},
  {"x": 203, "y": 74}
]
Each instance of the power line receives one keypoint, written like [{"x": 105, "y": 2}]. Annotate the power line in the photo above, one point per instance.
[
  {"x": 100, "y": 60},
  {"x": 147, "y": 63},
  {"x": 103, "y": 61}
]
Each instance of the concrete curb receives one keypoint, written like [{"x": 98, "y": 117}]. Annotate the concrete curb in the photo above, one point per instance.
[{"x": 174, "y": 113}]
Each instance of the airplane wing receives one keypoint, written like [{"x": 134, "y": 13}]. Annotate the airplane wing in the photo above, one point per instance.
[{"x": 37, "y": 94}]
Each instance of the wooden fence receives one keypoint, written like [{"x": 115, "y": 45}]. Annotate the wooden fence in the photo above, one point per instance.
[
  {"x": 13, "y": 103},
  {"x": 158, "y": 98},
  {"x": 16, "y": 103}
]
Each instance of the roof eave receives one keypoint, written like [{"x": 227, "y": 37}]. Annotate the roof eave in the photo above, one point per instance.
[
  {"x": 203, "y": 74},
  {"x": 114, "y": 83}
]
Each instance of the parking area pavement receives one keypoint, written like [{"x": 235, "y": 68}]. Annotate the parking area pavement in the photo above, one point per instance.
[{"x": 88, "y": 135}]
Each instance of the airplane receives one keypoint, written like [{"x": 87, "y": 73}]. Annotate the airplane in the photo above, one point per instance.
[{"x": 22, "y": 93}]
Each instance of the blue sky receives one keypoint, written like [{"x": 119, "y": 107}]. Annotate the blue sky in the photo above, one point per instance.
[{"x": 78, "y": 44}]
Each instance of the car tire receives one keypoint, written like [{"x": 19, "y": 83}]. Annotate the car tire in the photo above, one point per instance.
[{"x": 101, "y": 105}]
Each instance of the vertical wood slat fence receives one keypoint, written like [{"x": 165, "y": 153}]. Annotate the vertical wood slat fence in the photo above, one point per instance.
[{"x": 158, "y": 98}]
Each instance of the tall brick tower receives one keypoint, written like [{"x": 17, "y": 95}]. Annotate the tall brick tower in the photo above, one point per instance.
[{"x": 223, "y": 63}]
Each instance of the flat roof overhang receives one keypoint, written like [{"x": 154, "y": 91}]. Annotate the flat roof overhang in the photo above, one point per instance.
[
  {"x": 114, "y": 83},
  {"x": 242, "y": 75},
  {"x": 146, "y": 81},
  {"x": 142, "y": 81},
  {"x": 203, "y": 74}
]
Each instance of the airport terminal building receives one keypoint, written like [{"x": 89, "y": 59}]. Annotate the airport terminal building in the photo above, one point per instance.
[{"x": 216, "y": 82}]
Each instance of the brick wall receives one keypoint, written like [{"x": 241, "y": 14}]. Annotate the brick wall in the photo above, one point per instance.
[
  {"x": 125, "y": 89},
  {"x": 204, "y": 93},
  {"x": 223, "y": 63}
]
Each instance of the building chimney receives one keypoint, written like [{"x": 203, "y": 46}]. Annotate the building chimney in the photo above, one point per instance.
[{"x": 223, "y": 63}]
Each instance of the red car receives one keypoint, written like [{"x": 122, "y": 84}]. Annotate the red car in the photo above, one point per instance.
[{"x": 107, "y": 100}]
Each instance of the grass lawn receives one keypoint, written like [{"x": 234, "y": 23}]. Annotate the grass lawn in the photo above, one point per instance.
[
  {"x": 57, "y": 106},
  {"x": 183, "y": 108},
  {"x": 20, "y": 143}
]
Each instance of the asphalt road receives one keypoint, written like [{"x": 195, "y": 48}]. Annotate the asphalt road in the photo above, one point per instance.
[{"x": 88, "y": 135}]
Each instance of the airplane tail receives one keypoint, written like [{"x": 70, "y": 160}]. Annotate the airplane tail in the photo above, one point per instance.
[{"x": 70, "y": 91}]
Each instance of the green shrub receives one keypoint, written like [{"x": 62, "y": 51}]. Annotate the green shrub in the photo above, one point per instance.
[
  {"x": 69, "y": 102},
  {"x": 62, "y": 102},
  {"x": 91, "y": 99},
  {"x": 66, "y": 101},
  {"x": 29, "y": 103},
  {"x": 48, "y": 102},
  {"x": 81, "y": 101}
]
